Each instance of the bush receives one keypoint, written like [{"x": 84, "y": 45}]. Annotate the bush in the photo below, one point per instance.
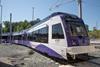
[{"x": 94, "y": 34}]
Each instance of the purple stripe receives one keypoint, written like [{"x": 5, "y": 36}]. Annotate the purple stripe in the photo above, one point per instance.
[
  {"x": 48, "y": 50},
  {"x": 42, "y": 48},
  {"x": 66, "y": 27}
]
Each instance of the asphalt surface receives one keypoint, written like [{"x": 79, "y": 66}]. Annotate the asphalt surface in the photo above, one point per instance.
[{"x": 21, "y": 56}]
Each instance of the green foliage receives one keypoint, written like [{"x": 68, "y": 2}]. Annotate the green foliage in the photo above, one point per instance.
[
  {"x": 94, "y": 34},
  {"x": 7, "y": 27},
  {"x": 22, "y": 25},
  {"x": 19, "y": 26}
]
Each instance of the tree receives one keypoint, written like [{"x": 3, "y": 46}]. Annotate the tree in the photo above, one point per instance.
[
  {"x": 22, "y": 25},
  {"x": 7, "y": 27},
  {"x": 16, "y": 26}
]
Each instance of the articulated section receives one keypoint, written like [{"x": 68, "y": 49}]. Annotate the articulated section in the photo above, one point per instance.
[{"x": 80, "y": 49}]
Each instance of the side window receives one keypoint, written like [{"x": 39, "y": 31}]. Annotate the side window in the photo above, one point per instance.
[
  {"x": 40, "y": 35},
  {"x": 30, "y": 36},
  {"x": 57, "y": 32},
  {"x": 43, "y": 35}
]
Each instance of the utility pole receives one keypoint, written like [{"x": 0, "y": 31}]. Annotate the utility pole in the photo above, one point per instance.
[
  {"x": 11, "y": 28},
  {"x": 80, "y": 8},
  {"x": 1, "y": 23},
  {"x": 32, "y": 13}
]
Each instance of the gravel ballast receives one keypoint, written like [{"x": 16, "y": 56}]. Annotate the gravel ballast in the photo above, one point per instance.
[{"x": 21, "y": 56}]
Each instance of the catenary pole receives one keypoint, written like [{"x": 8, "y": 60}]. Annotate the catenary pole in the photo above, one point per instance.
[
  {"x": 80, "y": 8},
  {"x": 0, "y": 23},
  {"x": 32, "y": 13},
  {"x": 11, "y": 28}
]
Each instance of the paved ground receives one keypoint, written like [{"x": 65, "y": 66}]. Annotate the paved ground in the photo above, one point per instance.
[{"x": 20, "y": 56}]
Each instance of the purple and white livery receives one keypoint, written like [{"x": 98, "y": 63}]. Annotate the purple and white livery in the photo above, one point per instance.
[{"x": 58, "y": 35}]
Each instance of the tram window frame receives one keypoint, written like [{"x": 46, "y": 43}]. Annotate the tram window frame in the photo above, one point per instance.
[{"x": 55, "y": 31}]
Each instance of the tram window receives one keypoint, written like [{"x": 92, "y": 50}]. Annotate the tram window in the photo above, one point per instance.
[
  {"x": 4, "y": 37},
  {"x": 16, "y": 37},
  {"x": 57, "y": 32},
  {"x": 24, "y": 36},
  {"x": 19, "y": 37},
  {"x": 29, "y": 36},
  {"x": 40, "y": 35},
  {"x": 43, "y": 35},
  {"x": 77, "y": 29}
]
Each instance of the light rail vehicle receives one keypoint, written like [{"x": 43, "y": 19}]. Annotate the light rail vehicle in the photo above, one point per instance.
[{"x": 59, "y": 35}]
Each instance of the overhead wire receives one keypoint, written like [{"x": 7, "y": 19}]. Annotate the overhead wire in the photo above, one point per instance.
[{"x": 58, "y": 4}]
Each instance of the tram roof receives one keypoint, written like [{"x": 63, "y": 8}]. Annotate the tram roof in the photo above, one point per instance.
[
  {"x": 45, "y": 19},
  {"x": 55, "y": 14}
]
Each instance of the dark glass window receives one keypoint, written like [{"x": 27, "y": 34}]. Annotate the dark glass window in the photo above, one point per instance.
[
  {"x": 30, "y": 36},
  {"x": 25, "y": 36},
  {"x": 40, "y": 35},
  {"x": 57, "y": 32},
  {"x": 4, "y": 37},
  {"x": 76, "y": 26},
  {"x": 77, "y": 29},
  {"x": 15, "y": 37}
]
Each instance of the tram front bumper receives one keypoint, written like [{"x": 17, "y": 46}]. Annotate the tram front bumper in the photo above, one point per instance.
[{"x": 81, "y": 49}]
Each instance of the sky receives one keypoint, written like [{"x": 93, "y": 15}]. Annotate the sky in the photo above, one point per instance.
[{"x": 22, "y": 9}]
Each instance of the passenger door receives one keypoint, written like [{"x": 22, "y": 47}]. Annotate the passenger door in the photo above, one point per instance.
[{"x": 57, "y": 38}]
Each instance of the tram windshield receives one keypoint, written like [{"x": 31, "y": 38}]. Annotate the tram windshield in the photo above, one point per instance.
[{"x": 77, "y": 29}]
